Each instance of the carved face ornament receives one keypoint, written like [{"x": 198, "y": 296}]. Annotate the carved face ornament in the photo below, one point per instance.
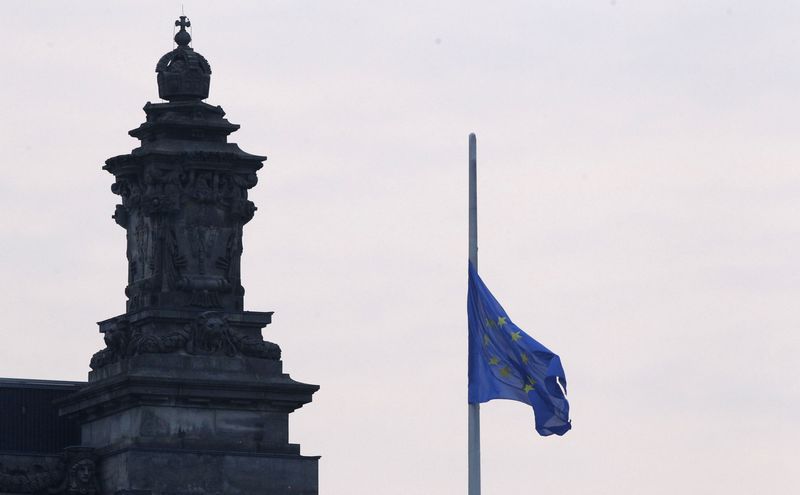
[
  {"x": 82, "y": 477},
  {"x": 214, "y": 327}
]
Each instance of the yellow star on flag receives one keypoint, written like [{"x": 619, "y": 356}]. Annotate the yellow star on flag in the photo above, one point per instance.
[
  {"x": 524, "y": 358},
  {"x": 501, "y": 320},
  {"x": 515, "y": 336},
  {"x": 527, "y": 388},
  {"x": 494, "y": 361},
  {"x": 485, "y": 340},
  {"x": 505, "y": 371}
]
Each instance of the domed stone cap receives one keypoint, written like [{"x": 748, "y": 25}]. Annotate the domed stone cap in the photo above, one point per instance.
[{"x": 183, "y": 74}]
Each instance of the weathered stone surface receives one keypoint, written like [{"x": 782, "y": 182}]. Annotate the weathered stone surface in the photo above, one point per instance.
[
  {"x": 208, "y": 473},
  {"x": 184, "y": 194},
  {"x": 198, "y": 402},
  {"x": 187, "y": 397},
  {"x": 72, "y": 472},
  {"x": 30, "y": 473},
  {"x": 199, "y": 333},
  {"x": 184, "y": 204}
]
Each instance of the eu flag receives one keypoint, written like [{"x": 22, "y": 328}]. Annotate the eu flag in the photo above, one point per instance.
[{"x": 506, "y": 363}]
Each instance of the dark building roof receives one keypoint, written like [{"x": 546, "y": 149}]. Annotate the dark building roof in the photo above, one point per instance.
[{"x": 29, "y": 421}]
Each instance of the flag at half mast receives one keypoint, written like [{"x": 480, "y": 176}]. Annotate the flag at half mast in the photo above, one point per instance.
[{"x": 506, "y": 363}]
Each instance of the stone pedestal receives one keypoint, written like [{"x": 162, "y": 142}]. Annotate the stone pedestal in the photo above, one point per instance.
[
  {"x": 181, "y": 424},
  {"x": 207, "y": 472}
]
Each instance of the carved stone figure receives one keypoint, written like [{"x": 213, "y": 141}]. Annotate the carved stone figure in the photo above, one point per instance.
[
  {"x": 116, "y": 340},
  {"x": 211, "y": 334},
  {"x": 75, "y": 473},
  {"x": 81, "y": 473},
  {"x": 259, "y": 348},
  {"x": 82, "y": 478}
]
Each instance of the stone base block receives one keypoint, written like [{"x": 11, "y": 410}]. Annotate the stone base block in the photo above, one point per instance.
[
  {"x": 184, "y": 472},
  {"x": 191, "y": 427}
]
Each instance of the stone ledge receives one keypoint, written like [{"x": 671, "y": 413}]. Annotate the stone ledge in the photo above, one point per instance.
[{"x": 125, "y": 391}]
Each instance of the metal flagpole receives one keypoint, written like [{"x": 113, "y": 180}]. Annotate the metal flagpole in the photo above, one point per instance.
[{"x": 474, "y": 417}]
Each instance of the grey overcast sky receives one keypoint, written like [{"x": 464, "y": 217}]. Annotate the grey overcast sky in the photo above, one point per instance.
[{"x": 639, "y": 204}]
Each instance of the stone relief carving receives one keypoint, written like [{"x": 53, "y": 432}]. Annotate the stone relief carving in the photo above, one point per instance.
[
  {"x": 146, "y": 343},
  {"x": 74, "y": 473},
  {"x": 121, "y": 216},
  {"x": 256, "y": 347},
  {"x": 116, "y": 340},
  {"x": 209, "y": 334},
  {"x": 163, "y": 189},
  {"x": 81, "y": 475},
  {"x": 184, "y": 231},
  {"x": 176, "y": 257},
  {"x": 31, "y": 479}
]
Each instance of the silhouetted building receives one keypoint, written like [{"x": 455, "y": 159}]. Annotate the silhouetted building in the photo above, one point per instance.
[{"x": 29, "y": 420}]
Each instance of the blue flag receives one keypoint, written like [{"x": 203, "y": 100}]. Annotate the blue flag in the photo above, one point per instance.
[{"x": 506, "y": 363}]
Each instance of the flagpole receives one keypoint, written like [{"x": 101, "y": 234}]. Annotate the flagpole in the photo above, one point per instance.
[{"x": 474, "y": 414}]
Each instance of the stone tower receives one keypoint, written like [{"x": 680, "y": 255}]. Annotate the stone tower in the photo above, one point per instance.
[{"x": 187, "y": 397}]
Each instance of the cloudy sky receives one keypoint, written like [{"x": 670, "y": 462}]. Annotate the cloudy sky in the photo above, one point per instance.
[{"x": 638, "y": 204}]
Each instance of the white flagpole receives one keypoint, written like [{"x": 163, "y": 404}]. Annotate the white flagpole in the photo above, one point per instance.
[{"x": 474, "y": 416}]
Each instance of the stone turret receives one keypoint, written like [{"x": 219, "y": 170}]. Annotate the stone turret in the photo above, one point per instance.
[
  {"x": 184, "y": 194},
  {"x": 187, "y": 396}
]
